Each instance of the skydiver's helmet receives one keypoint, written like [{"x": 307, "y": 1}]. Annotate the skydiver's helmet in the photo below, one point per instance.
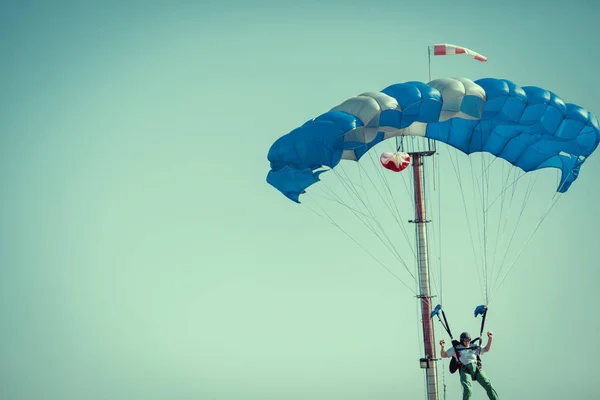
[{"x": 464, "y": 336}]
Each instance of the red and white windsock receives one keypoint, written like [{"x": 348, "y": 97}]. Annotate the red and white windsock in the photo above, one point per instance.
[
  {"x": 396, "y": 161},
  {"x": 447, "y": 49}
]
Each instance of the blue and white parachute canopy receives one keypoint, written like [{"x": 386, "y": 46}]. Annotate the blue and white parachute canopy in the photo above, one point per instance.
[{"x": 530, "y": 127}]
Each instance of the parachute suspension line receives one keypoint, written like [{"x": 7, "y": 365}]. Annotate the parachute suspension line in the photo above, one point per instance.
[
  {"x": 397, "y": 216},
  {"x": 477, "y": 192},
  {"x": 481, "y": 184},
  {"x": 432, "y": 233},
  {"x": 486, "y": 187},
  {"x": 456, "y": 169},
  {"x": 331, "y": 198},
  {"x": 457, "y": 173},
  {"x": 528, "y": 193},
  {"x": 391, "y": 208},
  {"x": 505, "y": 189},
  {"x": 551, "y": 205},
  {"x": 350, "y": 186},
  {"x": 386, "y": 185},
  {"x": 351, "y": 189},
  {"x": 365, "y": 220},
  {"x": 502, "y": 231},
  {"x": 486, "y": 172},
  {"x": 408, "y": 190},
  {"x": 334, "y": 197},
  {"x": 331, "y": 195},
  {"x": 484, "y": 192},
  {"x": 332, "y": 221},
  {"x": 497, "y": 240},
  {"x": 502, "y": 196},
  {"x": 392, "y": 205},
  {"x": 389, "y": 199},
  {"x": 476, "y": 243}
]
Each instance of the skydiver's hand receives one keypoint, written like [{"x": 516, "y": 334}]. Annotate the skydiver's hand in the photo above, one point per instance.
[
  {"x": 442, "y": 342},
  {"x": 490, "y": 334}
]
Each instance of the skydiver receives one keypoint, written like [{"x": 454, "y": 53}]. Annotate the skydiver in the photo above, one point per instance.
[{"x": 471, "y": 365}]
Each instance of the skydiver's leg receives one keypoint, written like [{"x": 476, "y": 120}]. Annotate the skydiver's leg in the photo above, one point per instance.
[
  {"x": 465, "y": 381},
  {"x": 487, "y": 385}
]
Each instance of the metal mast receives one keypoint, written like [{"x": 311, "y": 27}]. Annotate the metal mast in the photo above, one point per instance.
[{"x": 428, "y": 362}]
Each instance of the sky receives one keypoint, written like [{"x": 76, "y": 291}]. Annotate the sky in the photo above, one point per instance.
[{"x": 144, "y": 256}]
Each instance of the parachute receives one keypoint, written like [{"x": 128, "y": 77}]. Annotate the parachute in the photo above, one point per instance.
[
  {"x": 529, "y": 127},
  {"x": 395, "y": 162}
]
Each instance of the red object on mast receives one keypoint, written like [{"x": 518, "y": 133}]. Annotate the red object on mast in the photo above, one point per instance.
[{"x": 395, "y": 161}]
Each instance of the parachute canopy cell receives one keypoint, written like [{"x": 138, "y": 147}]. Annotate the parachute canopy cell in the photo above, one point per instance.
[{"x": 529, "y": 127}]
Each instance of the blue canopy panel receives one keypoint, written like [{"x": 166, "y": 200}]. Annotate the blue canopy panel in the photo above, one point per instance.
[{"x": 529, "y": 127}]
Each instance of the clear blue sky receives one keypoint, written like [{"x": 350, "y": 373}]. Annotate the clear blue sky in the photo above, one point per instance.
[{"x": 143, "y": 255}]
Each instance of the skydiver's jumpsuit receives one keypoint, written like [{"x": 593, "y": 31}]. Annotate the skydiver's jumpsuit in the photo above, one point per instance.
[{"x": 469, "y": 372}]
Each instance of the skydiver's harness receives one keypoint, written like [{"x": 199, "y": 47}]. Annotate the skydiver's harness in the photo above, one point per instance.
[{"x": 455, "y": 363}]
